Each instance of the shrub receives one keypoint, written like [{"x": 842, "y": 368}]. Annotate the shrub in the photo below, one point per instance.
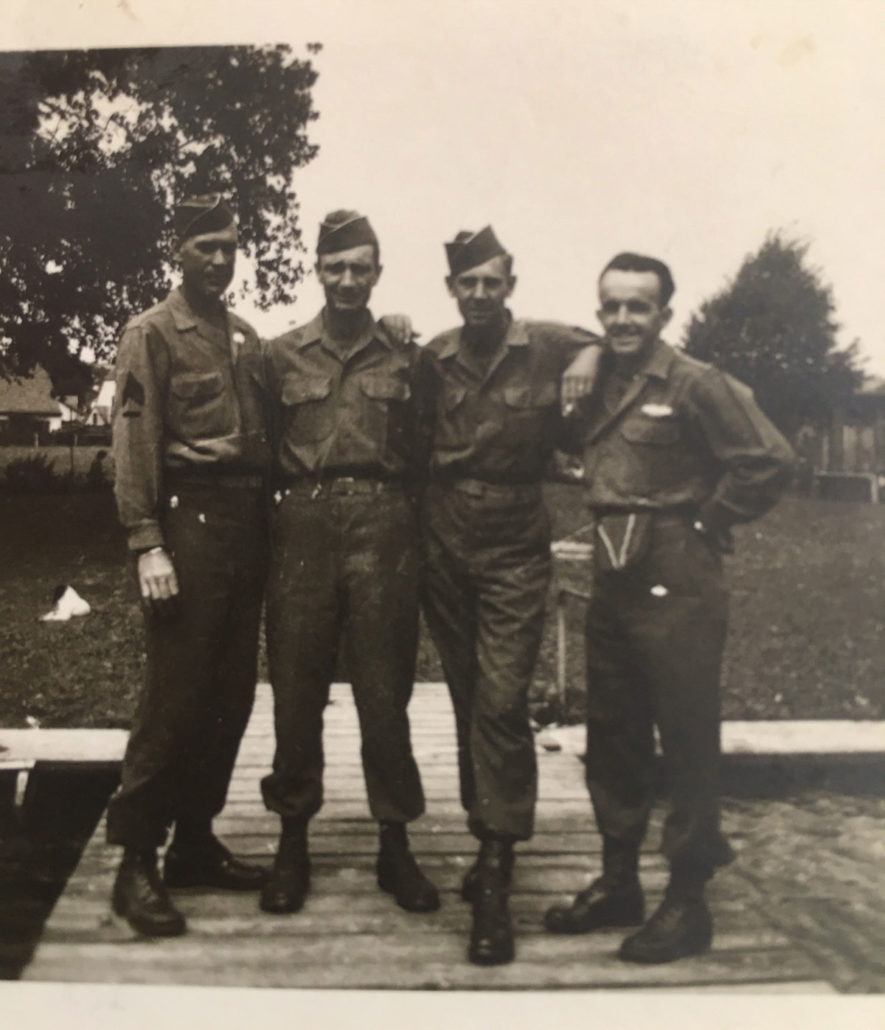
[{"x": 34, "y": 474}]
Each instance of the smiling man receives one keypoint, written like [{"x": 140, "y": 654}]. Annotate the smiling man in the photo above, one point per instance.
[
  {"x": 493, "y": 388},
  {"x": 675, "y": 453},
  {"x": 191, "y": 455},
  {"x": 344, "y": 573}
]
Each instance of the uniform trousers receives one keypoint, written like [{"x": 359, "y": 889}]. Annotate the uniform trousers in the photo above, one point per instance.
[
  {"x": 201, "y": 666},
  {"x": 487, "y": 554},
  {"x": 344, "y": 569},
  {"x": 655, "y": 633}
]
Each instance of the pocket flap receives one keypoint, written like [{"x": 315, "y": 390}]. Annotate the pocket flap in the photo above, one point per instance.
[
  {"x": 298, "y": 389},
  {"x": 194, "y": 384},
  {"x": 659, "y": 431},
  {"x": 385, "y": 389}
]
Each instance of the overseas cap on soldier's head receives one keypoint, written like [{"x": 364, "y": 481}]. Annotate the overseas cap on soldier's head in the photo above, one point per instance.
[
  {"x": 469, "y": 249},
  {"x": 341, "y": 230},
  {"x": 202, "y": 213}
]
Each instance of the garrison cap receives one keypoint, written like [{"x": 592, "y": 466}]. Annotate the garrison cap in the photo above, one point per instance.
[
  {"x": 205, "y": 212},
  {"x": 341, "y": 230},
  {"x": 470, "y": 249}
]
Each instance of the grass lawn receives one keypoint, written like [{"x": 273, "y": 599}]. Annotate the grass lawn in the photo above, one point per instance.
[
  {"x": 806, "y": 636},
  {"x": 806, "y": 641}
]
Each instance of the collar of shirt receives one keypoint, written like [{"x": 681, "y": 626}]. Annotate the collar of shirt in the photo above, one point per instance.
[
  {"x": 454, "y": 347},
  {"x": 185, "y": 317},
  {"x": 315, "y": 331},
  {"x": 657, "y": 365}
]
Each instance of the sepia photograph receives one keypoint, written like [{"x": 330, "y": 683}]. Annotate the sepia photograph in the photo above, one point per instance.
[{"x": 442, "y": 512}]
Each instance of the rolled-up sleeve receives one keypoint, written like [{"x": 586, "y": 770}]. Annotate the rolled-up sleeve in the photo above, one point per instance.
[
  {"x": 757, "y": 461},
  {"x": 141, "y": 377}
]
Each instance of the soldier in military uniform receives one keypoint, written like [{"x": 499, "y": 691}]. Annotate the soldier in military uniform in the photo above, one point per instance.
[
  {"x": 493, "y": 388},
  {"x": 191, "y": 456},
  {"x": 345, "y": 564},
  {"x": 675, "y": 452}
]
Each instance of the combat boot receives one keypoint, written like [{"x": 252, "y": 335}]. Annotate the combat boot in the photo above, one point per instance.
[
  {"x": 469, "y": 885},
  {"x": 613, "y": 899},
  {"x": 681, "y": 925},
  {"x": 399, "y": 874},
  {"x": 289, "y": 881},
  {"x": 140, "y": 898},
  {"x": 201, "y": 860},
  {"x": 491, "y": 936}
]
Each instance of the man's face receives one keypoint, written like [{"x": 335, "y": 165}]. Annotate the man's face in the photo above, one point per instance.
[
  {"x": 348, "y": 277},
  {"x": 630, "y": 312},
  {"x": 207, "y": 262},
  {"x": 482, "y": 292}
]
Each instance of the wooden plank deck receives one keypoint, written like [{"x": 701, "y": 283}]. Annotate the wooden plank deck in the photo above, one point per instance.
[{"x": 352, "y": 935}]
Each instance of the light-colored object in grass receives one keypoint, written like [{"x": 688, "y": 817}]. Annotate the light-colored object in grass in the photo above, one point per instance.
[{"x": 68, "y": 603}]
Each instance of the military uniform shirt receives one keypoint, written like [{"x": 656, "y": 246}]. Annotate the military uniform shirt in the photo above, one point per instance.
[
  {"x": 499, "y": 421},
  {"x": 682, "y": 434},
  {"x": 188, "y": 397},
  {"x": 345, "y": 409}
]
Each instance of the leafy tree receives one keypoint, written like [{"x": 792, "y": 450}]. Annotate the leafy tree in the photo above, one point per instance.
[
  {"x": 773, "y": 328},
  {"x": 96, "y": 146}
]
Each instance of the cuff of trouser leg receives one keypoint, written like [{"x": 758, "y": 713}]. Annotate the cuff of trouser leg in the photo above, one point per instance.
[
  {"x": 712, "y": 852},
  {"x": 483, "y": 832}
]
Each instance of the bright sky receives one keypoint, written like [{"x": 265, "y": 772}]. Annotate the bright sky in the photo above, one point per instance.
[{"x": 683, "y": 128}]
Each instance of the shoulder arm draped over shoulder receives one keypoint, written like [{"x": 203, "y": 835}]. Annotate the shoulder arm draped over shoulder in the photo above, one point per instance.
[
  {"x": 142, "y": 374},
  {"x": 568, "y": 340}
]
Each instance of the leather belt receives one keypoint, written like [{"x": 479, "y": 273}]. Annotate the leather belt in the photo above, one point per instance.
[{"x": 483, "y": 488}]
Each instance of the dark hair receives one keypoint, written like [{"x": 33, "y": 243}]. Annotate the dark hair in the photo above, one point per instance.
[
  {"x": 341, "y": 216},
  {"x": 627, "y": 261}
]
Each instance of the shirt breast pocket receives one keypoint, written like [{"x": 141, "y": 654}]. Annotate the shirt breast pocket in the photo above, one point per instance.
[
  {"x": 385, "y": 409},
  {"x": 647, "y": 431},
  {"x": 308, "y": 412},
  {"x": 528, "y": 409},
  {"x": 199, "y": 405},
  {"x": 384, "y": 389}
]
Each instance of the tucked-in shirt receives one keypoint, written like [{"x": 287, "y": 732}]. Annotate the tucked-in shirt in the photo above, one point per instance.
[
  {"x": 189, "y": 397},
  {"x": 344, "y": 407},
  {"x": 681, "y": 433},
  {"x": 498, "y": 420}
]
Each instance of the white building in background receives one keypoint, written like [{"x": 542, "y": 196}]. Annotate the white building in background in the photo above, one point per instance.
[{"x": 100, "y": 408}]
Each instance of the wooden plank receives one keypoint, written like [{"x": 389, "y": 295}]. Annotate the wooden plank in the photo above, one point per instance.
[
  {"x": 350, "y": 934},
  {"x": 214, "y": 915},
  {"x": 50, "y": 745},
  {"x": 415, "y": 961}
]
